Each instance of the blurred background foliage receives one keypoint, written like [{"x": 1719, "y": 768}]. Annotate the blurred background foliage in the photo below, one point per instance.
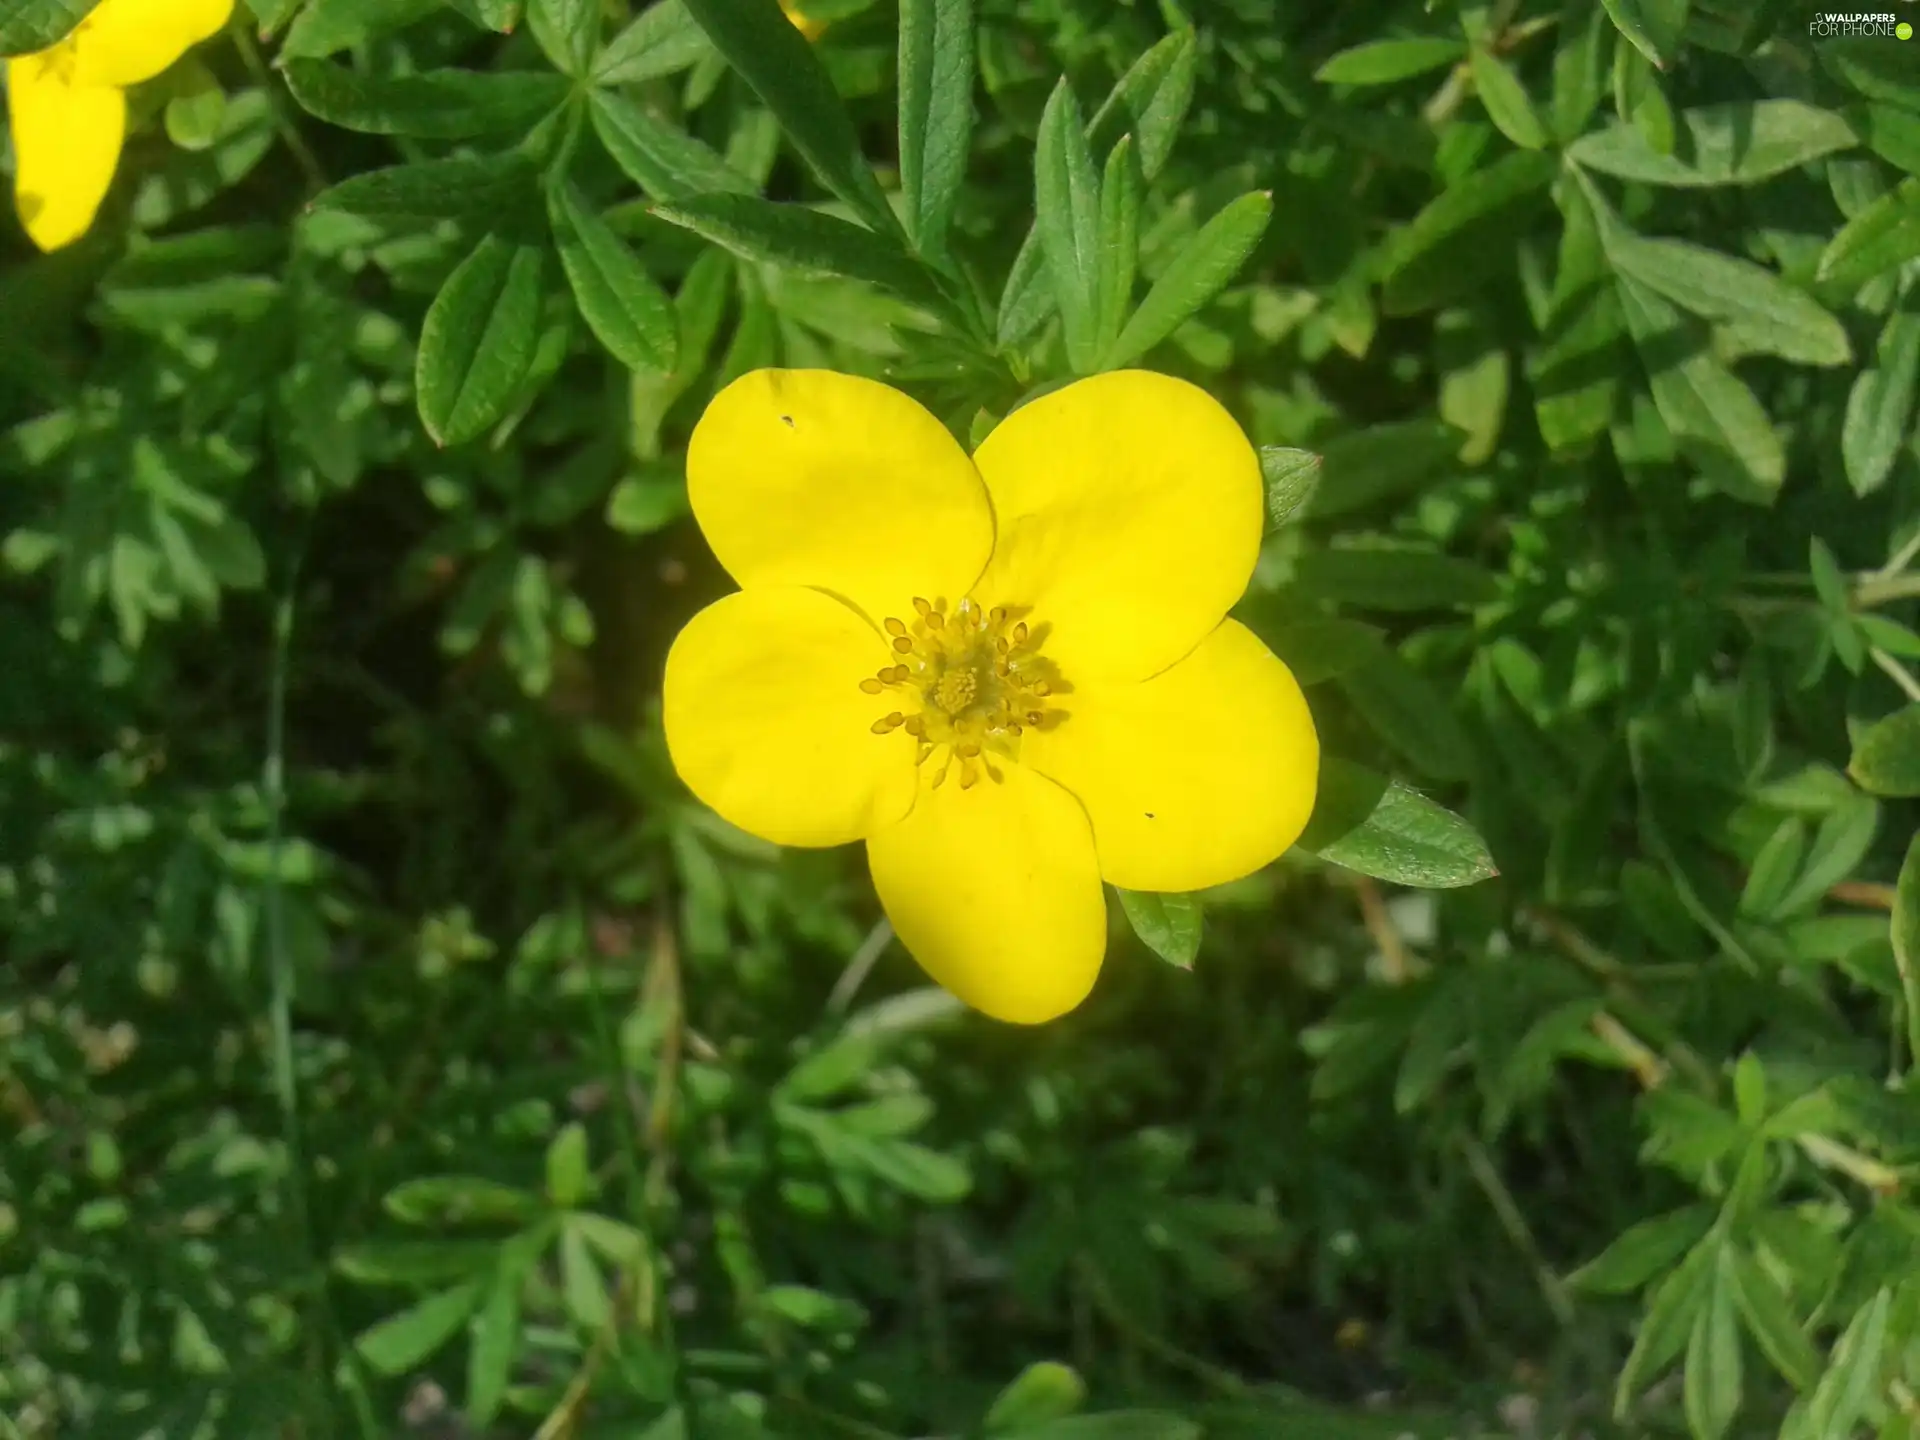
[{"x": 389, "y": 1046}]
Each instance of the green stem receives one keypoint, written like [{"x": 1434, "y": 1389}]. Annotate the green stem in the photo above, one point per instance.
[
  {"x": 1898, "y": 673},
  {"x": 283, "y": 123},
  {"x": 1873, "y": 592},
  {"x": 1481, "y": 1167}
]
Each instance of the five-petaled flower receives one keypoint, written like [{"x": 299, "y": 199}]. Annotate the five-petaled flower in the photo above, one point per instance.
[
  {"x": 1012, "y": 676},
  {"x": 67, "y": 105}
]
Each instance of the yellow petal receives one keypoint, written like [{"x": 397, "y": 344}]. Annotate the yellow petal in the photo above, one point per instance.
[
  {"x": 812, "y": 29},
  {"x": 123, "y": 42},
  {"x": 807, "y": 477},
  {"x": 996, "y": 892},
  {"x": 1129, "y": 510},
  {"x": 1196, "y": 777},
  {"x": 766, "y": 722},
  {"x": 66, "y": 143}
]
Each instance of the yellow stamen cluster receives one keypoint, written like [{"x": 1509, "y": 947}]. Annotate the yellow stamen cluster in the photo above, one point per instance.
[{"x": 979, "y": 682}]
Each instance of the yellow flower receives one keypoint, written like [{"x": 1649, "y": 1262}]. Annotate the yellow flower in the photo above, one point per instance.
[
  {"x": 68, "y": 110},
  {"x": 1011, "y": 675},
  {"x": 812, "y": 29}
]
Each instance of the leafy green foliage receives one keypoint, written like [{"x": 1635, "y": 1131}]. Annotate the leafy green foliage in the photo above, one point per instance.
[{"x": 389, "y": 1044}]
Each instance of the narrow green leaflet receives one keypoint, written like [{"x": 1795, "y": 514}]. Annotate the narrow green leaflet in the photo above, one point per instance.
[
  {"x": 1884, "y": 235},
  {"x": 1886, "y": 758},
  {"x": 1393, "y": 578},
  {"x": 496, "y": 1336},
  {"x": 662, "y": 160},
  {"x": 1384, "y": 62},
  {"x": 1465, "y": 233},
  {"x": 1756, "y": 308},
  {"x": 1880, "y": 405},
  {"x": 1853, "y": 1376},
  {"x": 1506, "y": 102},
  {"x": 437, "y": 189},
  {"x": 618, "y": 299},
  {"x": 1715, "y": 419},
  {"x": 1667, "y": 1325},
  {"x": 936, "y": 114},
  {"x": 1904, "y": 936},
  {"x": 478, "y": 339},
  {"x": 661, "y": 40},
  {"x": 1412, "y": 714},
  {"x": 1383, "y": 461},
  {"x": 432, "y": 105},
  {"x": 1042, "y": 1392},
  {"x": 795, "y": 236},
  {"x": 1198, "y": 273},
  {"x": 1290, "y": 476},
  {"x": 29, "y": 25},
  {"x": 1769, "y": 1318},
  {"x": 400, "y": 1342},
  {"x": 1025, "y": 303},
  {"x": 1654, "y": 26},
  {"x": 1067, "y": 211},
  {"x": 1711, "y": 1388},
  {"x": 1168, "y": 925},
  {"x": 568, "y": 31},
  {"x": 1150, "y": 101},
  {"x": 1643, "y": 1252},
  {"x": 1119, "y": 239},
  {"x": 1379, "y": 827},
  {"x": 773, "y": 57},
  {"x": 1738, "y": 143}
]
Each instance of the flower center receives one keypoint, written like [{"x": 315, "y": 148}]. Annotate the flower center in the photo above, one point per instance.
[{"x": 976, "y": 680}]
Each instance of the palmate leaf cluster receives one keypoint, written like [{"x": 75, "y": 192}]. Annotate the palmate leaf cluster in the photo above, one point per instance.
[{"x": 389, "y": 1046}]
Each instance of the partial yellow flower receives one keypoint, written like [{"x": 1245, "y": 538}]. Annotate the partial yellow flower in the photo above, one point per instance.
[
  {"x": 67, "y": 105},
  {"x": 812, "y": 29},
  {"x": 1012, "y": 676}
]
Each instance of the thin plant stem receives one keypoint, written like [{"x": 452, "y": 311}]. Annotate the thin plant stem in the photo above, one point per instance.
[{"x": 1898, "y": 673}]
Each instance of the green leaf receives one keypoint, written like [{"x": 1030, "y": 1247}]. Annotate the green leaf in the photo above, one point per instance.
[
  {"x": 772, "y": 57},
  {"x": 1715, "y": 418},
  {"x": 1317, "y": 650},
  {"x": 832, "y": 1069},
  {"x": 1770, "y": 1320},
  {"x": 1026, "y": 302},
  {"x": 568, "y": 1175},
  {"x": 1041, "y": 1393},
  {"x": 1654, "y": 26},
  {"x": 568, "y": 31},
  {"x": 1067, "y": 212},
  {"x": 1853, "y": 1375},
  {"x": 1711, "y": 1392},
  {"x": 1120, "y": 190},
  {"x": 1904, "y": 938},
  {"x": 1884, "y": 235},
  {"x": 1366, "y": 823},
  {"x": 194, "y": 114},
  {"x": 1880, "y": 404},
  {"x": 432, "y": 105},
  {"x": 496, "y": 1337},
  {"x": 662, "y": 39},
  {"x": 618, "y": 299},
  {"x": 1506, "y": 102},
  {"x": 325, "y": 27},
  {"x": 1198, "y": 273},
  {"x": 413, "y": 1262},
  {"x": 29, "y": 25},
  {"x": 936, "y": 114},
  {"x": 1168, "y": 925},
  {"x": 1643, "y": 1252},
  {"x": 1464, "y": 234},
  {"x": 1886, "y": 756},
  {"x": 1290, "y": 476},
  {"x": 443, "y": 1200},
  {"x": 803, "y": 239},
  {"x": 1641, "y": 101},
  {"x": 1393, "y": 578},
  {"x": 1384, "y": 62},
  {"x": 1366, "y": 466},
  {"x": 478, "y": 339},
  {"x": 1151, "y": 101},
  {"x": 583, "y": 1288},
  {"x": 1737, "y": 143},
  {"x": 464, "y": 187},
  {"x": 401, "y": 1342},
  {"x": 1411, "y": 714},
  {"x": 661, "y": 159},
  {"x": 1756, "y": 308},
  {"x": 1668, "y": 1323}
]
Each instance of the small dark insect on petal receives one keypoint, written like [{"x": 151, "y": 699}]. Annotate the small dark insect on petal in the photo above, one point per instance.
[
  {"x": 1148, "y": 814},
  {"x": 788, "y": 419}
]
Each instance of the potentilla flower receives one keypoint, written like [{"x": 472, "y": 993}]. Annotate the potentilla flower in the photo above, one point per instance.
[
  {"x": 67, "y": 105},
  {"x": 1010, "y": 675}
]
